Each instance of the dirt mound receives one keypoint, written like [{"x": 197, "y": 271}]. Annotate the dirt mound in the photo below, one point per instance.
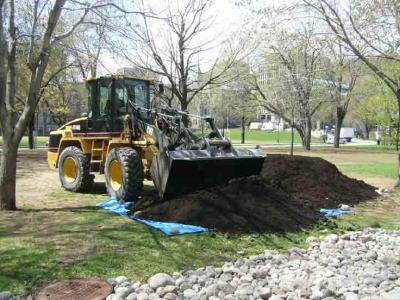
[
  {"x": 315, "y": 181},
  {"x": 242, "y": 205},
  {"x": 285, "y": 197}
]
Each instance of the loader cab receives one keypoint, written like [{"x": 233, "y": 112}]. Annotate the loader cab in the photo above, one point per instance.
[{"x": 111, "y": 98}]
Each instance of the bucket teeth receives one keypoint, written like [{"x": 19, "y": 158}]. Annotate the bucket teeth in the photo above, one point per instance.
[{"x": 185, "y": 171}]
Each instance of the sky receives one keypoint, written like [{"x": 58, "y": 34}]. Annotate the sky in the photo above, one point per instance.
[{"x": 228, "y": 19}]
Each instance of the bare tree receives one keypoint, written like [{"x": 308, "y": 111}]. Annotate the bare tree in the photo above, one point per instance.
[
  {"x": 372, "y": 32},
  {"x": 174, "y": 45},
  {"x": 340, "y": 72},
  {"x": 87, "y": 46},
  {"x": 42, "y": 37},
  {"x": 295, "y": 62}
]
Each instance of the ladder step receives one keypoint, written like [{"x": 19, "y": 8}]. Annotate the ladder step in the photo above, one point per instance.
[
  {"x": 97, "y": 149},
  {"x": 95, "y": 161}
]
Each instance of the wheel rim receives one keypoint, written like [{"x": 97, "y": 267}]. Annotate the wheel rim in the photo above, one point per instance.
[
  {"x": 115, "y": 172},
  {"x": 70, "y": 170}
]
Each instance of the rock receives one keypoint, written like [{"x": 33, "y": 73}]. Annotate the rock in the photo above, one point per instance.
[
  {"x": 371, "y": 255},
  {"x": 142, "y": 296},
  {"x": 6, "y": 295},
  {"x": 112, "y": 281},
  {"x": 171, "y": 289},
  {"x": 160, "y": 280},
  {"x": 331, "y": 238},
  {"x": 132, "y": 296},
  {"x": 392, "y": 295},
  {"x": 351, "y": 296},
  {"x": 344, "y": 207},
  {"x": 244, "y": 291},
  {"x": 265, "y": 293},
  {"x": 169, "y": 296},
  {"x": 357, "y": 265},
  {"x": 189, "y": 293},
  {"x": 122, "y": 292},
  {"x": 110, "y": 297},
  {"x": 120, "y": 279}
]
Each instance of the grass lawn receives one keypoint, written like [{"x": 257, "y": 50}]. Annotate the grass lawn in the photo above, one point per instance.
[
  {"x": 260, "y": 136},
  {"x": 57, "y": 234},
  {"x": 40, "y": 141},
  {"x": 388, "y": 148}
]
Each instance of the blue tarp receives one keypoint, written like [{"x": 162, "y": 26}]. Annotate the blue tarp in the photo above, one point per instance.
[
  {"x": 167, "y": 228},
  {"x": 334, "y": 212}
]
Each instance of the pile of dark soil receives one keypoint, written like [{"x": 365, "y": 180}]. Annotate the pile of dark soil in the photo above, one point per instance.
[
  {"x": 242, "y": 205},
  {"x": 314, "y": 181},
  {"x": 285, "y": 197}
]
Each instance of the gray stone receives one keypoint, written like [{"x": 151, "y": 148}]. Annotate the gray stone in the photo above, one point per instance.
[
  {"x": 142, "y": 296},
  {"x": 120, "y": 279},
  {"x": 160, "y": 280},
  {"x": 169, "y": 296},
  {"x": 392, "y": 295},
  {"x": 123, "y": 291},
  {"x": 132, "y": 296},
  {"x": 311, "y": 239},
  {"x": 350, "y": 296},
  {"x": 189, "y": 293},
  {"x": 112, "y": 281},
  {"x": 371, "y": 255},
  {"x": 331, "y": 238},
  {"x": 265, "y": 293},
  {"x": 109, "y": 297},
  {"x": 244, "y": 291},
  {"x": 6, "y": 295}
]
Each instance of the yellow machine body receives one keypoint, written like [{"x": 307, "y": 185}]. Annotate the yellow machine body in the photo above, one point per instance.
[{"x": 98, "y": 147}]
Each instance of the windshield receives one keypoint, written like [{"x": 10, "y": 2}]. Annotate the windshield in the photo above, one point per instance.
[{"x": 138, "y": 92}]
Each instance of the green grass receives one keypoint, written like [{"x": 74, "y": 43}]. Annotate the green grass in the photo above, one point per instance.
[
  {"x": 260, "y": 136},
  {"x": 372, "y": 169},
  {"x": 42, "y": 243},
  {"x": 88, "y": 242},
  {"x": 40, "y": 141},
  {"x": 386, "y": 148}
]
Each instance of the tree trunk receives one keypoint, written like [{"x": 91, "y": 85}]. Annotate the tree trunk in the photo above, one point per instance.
[
  {"x": 397, "y": 185},
  {"x": 366, "y": 131},
  {"x": 8, "y": 169},
  {"x": 339, "y": 123},
  {"x": 306, "y": 138},
  {"x": 185, "y": 118},
  {"x": 398, "y": 132},
  {"x": 31, "y": 135},
  {"x": 292, "y": 140},
  {"x": 243, "y": 131}
]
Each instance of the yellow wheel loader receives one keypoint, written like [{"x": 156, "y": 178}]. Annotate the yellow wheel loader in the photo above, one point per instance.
[{"x": 127, "y": 137}]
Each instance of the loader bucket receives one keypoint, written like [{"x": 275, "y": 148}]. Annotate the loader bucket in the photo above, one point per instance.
[{"x": 184, "y": 171}]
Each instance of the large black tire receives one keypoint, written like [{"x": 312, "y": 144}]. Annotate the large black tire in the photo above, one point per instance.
[
  {"x": 74, "y": 170},
  {"x": 124, "y": 174}
]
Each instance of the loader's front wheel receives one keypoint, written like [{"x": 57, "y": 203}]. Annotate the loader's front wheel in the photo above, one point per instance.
[
  {"x": 74, "y": 170},
  {"x": 124, "y": 174}
]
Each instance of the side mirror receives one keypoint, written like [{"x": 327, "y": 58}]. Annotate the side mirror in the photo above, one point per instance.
[{"x": 161, "y": 88}]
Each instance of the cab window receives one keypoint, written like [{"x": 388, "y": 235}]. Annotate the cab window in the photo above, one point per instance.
[
  {"x": 121, "y": 98},
  {"x": 105, "y": 103}
]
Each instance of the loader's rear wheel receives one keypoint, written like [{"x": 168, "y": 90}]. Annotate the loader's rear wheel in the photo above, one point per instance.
[
  {"x": 74, "y": 170},
  {"x": 124, "y": 174}
]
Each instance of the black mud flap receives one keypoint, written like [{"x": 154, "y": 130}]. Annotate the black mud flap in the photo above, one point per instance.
[{"x": 183, "y": 171}]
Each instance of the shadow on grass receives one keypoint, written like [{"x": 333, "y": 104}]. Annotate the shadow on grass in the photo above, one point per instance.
[
  {"x": 27, "y": 266},
  {"x": 80, "y": 209}
]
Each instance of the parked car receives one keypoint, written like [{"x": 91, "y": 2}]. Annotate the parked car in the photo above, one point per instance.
[
  {"x": 331, "y": 140},
  {"x": 347, "y": 133}
]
